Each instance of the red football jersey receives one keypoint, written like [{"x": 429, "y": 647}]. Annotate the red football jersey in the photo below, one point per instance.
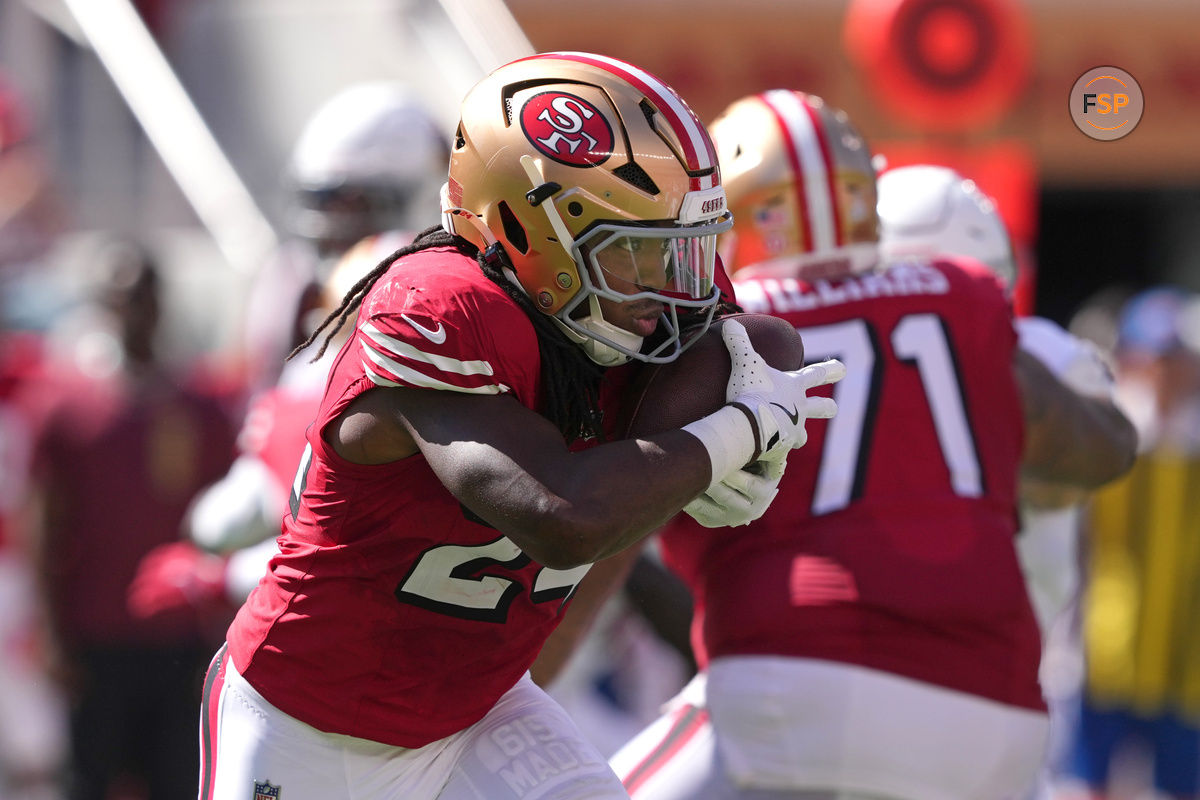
[
  {"x": 275, "y": 425},
  {"x": 890, "y": 544},
  {"x": 392, "y": 613},
  {"x": 278, "y": 419}
]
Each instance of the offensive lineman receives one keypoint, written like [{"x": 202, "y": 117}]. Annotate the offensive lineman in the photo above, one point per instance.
[{"x": 870, "y": 635}]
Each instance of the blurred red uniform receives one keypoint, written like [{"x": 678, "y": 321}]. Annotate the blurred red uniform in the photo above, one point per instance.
[
  {"x": 869, "y": 636},
  {"x": 890, "y": 556},
  {"x": 914, "y": 488},
  {"x": 125, "y": 446}
]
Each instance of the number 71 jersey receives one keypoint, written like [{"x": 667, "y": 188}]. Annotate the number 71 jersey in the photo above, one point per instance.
[{"x": 891, "y": 542}]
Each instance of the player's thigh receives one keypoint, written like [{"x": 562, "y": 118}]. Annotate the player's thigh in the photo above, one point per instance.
[
  {"x": 251, "y": 749},
  {"x": 527, "y": 746},
  {"x": 676, "y": 758}
]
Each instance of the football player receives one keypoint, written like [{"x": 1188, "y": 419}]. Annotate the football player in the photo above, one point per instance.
[
  {"x": 870, "y": 635},
  {"x": 458, "y": 482},
  {"x": 931, "y": 211},
  {"x": 370, "y": 159}
]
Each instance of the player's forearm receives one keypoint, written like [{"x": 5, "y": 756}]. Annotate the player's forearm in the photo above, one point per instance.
[
  {"x": 593, "y": 504},
  {"x": 1071, "y": 439}
]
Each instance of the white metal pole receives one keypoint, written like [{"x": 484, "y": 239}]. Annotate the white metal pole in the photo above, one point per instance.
[{"x": 158, "y": 100}]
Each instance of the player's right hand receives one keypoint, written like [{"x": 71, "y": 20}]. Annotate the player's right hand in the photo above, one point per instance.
[
  {"x": 174, "y": 577},
  {"x": 775, "y": 401}
]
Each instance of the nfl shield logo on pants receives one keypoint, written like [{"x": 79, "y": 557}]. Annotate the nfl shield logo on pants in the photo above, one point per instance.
[{"x": 265, "y": 791}]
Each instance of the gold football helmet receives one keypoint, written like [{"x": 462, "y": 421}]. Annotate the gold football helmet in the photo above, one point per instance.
[
  {"x": 801, "y": 187},
  {"x": 581, "y": 168}
]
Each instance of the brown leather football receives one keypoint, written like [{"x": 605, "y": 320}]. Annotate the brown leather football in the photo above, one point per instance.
[{"x": 666, "y": 396}]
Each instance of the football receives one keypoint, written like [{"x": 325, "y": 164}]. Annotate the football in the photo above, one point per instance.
[{"x": 666, "y": 396}]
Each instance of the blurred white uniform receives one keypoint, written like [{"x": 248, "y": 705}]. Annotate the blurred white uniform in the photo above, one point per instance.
[
  {"x": 1047, "y": 543},
  {"x": 369, "y": 160}
]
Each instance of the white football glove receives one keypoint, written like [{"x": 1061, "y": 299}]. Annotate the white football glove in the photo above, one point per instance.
[
  {"x": 742, "y": 496},
  {"x": 774, "y": 403}
]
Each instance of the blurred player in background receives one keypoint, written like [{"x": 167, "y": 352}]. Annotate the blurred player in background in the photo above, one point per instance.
[
  {"x": 457, "y": 483},
  {"x": 929, "y": 211},
  {"x": 371, "y": 159},
  {"x": 130, "y": 436},
  {"x": 870, "y": 635},
  {"x": 1137, "y": 714}
]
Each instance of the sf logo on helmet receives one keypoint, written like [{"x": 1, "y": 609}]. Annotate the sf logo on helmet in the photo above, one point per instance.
[{"x": 567, "y": 128}]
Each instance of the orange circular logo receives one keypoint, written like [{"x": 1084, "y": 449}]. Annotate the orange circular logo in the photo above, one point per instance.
[{"x": 1106, "y": 103}]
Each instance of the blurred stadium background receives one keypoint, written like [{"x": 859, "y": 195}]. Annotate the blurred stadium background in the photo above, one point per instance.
[
  {"x": 982, "y": 84},
  {"x": 172, "y": 121}
]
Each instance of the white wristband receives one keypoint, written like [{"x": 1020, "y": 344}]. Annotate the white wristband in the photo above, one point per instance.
[{"x": 728, "y": 437}]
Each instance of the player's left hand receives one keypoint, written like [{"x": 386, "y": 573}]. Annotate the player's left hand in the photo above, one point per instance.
[{"x": 742, "y": 496}]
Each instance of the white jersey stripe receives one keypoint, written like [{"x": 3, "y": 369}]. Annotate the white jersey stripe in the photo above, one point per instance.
[
  {"x": 411, "y": 377},
  {"x": 392, "y": 346},
  {"x": 817, "y": 185}
]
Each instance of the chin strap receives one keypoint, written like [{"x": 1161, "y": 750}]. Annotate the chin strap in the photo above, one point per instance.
[
  {"x": 449, "y": 212},
  {"x": 597, "y": 349}
]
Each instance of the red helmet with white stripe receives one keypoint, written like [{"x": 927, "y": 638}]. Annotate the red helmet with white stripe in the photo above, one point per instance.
[
  {"x": 801, "y": 186},
  {"x": 581, "y": 168}
]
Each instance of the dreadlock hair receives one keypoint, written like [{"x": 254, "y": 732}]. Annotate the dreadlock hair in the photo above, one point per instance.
[{"x": 570, "y": 380}]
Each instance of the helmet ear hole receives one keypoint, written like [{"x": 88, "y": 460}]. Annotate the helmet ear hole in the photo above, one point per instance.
[{"x": 513, "y": 230}]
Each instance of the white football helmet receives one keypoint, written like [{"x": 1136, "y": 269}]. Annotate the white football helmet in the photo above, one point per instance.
[
  {"x": 801, "y": 186},
  {"x": 370, "y": 160},
  {"x": 927, "y": 210},
  {"x": 580, "y": 169}
]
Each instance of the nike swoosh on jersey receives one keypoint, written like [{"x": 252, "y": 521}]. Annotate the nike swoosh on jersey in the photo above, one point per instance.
[{"x": 436, "y": 336}]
